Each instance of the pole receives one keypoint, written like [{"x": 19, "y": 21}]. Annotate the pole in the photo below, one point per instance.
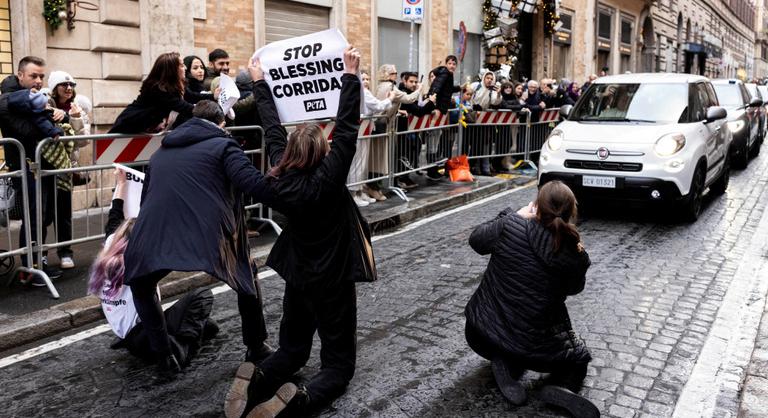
[{"x": 410, "y": 47}]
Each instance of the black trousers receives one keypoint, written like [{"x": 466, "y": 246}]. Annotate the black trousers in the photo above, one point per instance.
[
  {"x": 332, "y": 312},
  {"x": 567, "y": 375},
  {"x": 151, "y": 313},
  {"x": 185, "y": 321},
  {"x": 64, "y": 221}
]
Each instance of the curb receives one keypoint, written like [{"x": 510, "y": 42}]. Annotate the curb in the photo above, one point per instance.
[{"x": 24, "y": 329}]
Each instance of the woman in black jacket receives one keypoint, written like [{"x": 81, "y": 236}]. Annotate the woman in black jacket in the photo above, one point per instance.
[
  {"x": 517, "y": 318},
  {"x": 161, "y": 93},
  {"x": 323, "y": 250},
  {"x": 195, "y": 74}
]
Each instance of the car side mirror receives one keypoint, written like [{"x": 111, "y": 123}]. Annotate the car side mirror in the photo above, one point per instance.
[
  {"x": 716, "y": 113},
  {"x": 755, "y": 102},
  {"x": 565, "y": 110}
]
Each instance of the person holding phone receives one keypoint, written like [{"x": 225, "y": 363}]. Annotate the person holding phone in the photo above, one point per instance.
[{"x": 517, "y": 317}]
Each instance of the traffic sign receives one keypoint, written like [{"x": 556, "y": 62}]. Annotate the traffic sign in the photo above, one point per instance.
[{"x": 413, "y": 10}]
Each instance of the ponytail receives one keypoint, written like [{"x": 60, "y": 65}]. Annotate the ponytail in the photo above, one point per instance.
[
  {"x": 555, "y": 209},
  {"x": 562, "y": 232}
]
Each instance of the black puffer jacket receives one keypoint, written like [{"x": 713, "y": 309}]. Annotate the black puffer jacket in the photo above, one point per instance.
[{"x": 520, "y": 303}]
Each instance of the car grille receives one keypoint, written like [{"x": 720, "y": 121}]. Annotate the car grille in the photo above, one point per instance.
[{"x": 603, "y": 165}]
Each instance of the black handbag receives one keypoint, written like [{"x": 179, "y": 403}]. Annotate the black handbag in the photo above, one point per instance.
[{"x": 363, "y": 259}]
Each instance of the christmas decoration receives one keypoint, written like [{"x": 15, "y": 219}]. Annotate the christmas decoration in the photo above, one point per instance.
[
  {"x": 493, "y": 37},
  {"x": 500, "y": 20},
  {"x": 55, "y": 12},
  {"x": 551, "y": 16},
  {"x": 527, "y": 6}
]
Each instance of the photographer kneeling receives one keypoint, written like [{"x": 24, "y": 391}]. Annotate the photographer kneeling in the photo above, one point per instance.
[{"x": 517, "y": 317}]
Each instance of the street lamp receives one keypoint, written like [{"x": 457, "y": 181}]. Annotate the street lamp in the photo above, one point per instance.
[{"x": 72, "y": 6}]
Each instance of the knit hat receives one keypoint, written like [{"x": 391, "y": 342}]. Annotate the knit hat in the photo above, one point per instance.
[
  {"x": 37, "y": 101},
  {"x": 58, "y": 77}
]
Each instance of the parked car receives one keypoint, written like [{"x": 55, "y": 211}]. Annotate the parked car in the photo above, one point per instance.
[
  {"x": 764, "y": 94},
  {"x": 754, "y": 92},
  {"x": 642, "y": 138},
  {"x": 743, "y": 118}
]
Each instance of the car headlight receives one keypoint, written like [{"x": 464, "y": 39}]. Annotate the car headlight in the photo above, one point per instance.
[
  {"x": 669, "y": 144},
  {"x": 735, "y": 125},
  {"x": 555, "y": 140}
]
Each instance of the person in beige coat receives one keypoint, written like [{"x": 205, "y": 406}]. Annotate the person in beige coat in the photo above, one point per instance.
[{"x": 378, "y": 160}]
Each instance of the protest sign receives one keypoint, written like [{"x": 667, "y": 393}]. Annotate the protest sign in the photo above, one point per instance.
[
  {"x": 229, "y": 94},
  {"x": 134, "y": 182},
  {"x": 304, "y": 74}
]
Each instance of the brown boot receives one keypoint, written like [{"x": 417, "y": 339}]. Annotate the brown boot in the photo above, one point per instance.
[
  {"x": 237, "y": 397},
  {"x": 276, "y": 404}
]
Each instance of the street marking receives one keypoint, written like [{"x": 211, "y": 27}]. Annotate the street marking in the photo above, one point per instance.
[
  {"x": 70, "y": 339},
  {"x": 728, "y": 348}
]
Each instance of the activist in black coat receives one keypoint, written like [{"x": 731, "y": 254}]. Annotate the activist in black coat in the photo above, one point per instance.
[
  {"x": 191, "y": 219},
  {"x": 22, "y": 127},
  {"x": 324, "y": 248},
  {"x": 161, "y": 93},
  {"x": 518, "y": 312}
]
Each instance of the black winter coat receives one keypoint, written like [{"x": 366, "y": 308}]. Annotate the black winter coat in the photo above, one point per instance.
[
  {"x": 149, "y": 110},
  {"x": 520, "y": 303},
  {"x": 443, "y": 86},
  {"x": 193, "y": 92},
  {"x": 413, "y": 109},
  {"x": 22, "y": 127},
  {"x": 318, "y": 246},
  {"x": 192, "y": 216}
]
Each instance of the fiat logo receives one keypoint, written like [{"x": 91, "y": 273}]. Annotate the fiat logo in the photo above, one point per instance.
[{"x": 603, "y": 153}]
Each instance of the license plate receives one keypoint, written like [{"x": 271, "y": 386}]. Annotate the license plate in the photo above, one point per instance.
[{"x": 599, "y": 181}]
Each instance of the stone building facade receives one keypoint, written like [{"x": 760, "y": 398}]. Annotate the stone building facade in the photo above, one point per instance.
[{"x": 761, "y": 40}]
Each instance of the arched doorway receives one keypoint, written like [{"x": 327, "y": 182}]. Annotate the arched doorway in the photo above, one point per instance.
[{"x": 649, "y": 45}]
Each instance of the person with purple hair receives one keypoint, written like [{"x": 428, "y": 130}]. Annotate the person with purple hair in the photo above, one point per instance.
[{"x": 188, "y": 320}]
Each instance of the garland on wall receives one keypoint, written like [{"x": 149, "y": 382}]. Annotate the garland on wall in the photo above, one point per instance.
[
  {"x": 551, "y": 16},
  {"x": 54, "y": 11}
]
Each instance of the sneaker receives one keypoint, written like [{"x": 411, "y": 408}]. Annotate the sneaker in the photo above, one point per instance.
[
  {"x": 577, "y": 405},
  {"x": 359, "y": 201},
  {"x": 276, "y": 404},
  {"x": 374, "y": 194},
  {"x": 52, "y": 272},
  {"x": 237, "y": 397},
  {"x": 31, "y": 279},
  {"x": 509, "y": 386},
  {"x": 67, "y": 263},
  {"x": 365, "y": 197}
]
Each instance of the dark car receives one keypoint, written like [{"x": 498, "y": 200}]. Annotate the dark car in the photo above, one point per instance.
[
  {"x": 743, "y": 118},
  {"x": 755, "y": 93}
]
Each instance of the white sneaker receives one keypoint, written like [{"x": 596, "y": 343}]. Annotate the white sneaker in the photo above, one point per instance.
[
  {"x": 359, "y": 202},
  {"x": 365, "y": 197},
  {"x": 67, "y": 263}
]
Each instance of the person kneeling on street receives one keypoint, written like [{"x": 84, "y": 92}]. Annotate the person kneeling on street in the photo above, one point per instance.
[
  {"x": 188, "y": 320},
  {"x": 517, "y": 317}
]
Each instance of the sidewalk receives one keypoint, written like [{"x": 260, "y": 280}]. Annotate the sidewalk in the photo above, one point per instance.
[{"x": 29, "y": 314}]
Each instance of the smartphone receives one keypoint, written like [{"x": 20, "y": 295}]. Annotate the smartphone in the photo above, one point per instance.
[{"x": 421, "y": 78}]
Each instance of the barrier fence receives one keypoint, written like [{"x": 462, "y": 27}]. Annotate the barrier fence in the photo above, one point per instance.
[{"x": 387, "y": 150}]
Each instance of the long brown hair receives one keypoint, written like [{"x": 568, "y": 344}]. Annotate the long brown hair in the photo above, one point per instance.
[
  {"x": 306, "y": 148},
  {"x": 555, "y": 210},
  {"x": 164, "y": 75}
]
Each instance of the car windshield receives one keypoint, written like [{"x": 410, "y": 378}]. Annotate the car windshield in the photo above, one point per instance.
[
  {"x": 752, "y": 88},
  {"x": 648, "y": 102},
  {"x": 729, "y": 95}
]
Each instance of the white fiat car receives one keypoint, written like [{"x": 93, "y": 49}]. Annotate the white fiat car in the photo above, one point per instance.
[{"x": 642, "y": 138}]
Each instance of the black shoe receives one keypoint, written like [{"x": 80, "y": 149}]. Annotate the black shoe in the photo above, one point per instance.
[
  {"x": 210, "y": 329},
  {"x": 52, "y": 272},
  {"x": 433, "y": 174},
  {"x": 256, "y": 356},
  {"x": 168, "y": 367},
  {"x": 298, "y": 406},
  {"x": 578, "y": 406},
  {"x": 509, "y": 386}
]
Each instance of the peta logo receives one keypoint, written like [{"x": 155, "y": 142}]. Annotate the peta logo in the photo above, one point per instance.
[{"x": 314, "y": 105}]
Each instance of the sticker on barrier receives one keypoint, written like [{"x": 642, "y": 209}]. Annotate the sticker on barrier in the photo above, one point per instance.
[
  {"x": 496, "y": 118},
  {"x": 126, "y": 150},
  {"x": 366, "y": 127},
  {"x": 425, "y": 122}
]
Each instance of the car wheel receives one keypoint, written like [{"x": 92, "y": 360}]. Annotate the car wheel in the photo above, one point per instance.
[
  {"x": 721, "y": 184},
  {"x": 691, "y": 204},
  {"x": 742, "y": 159}
]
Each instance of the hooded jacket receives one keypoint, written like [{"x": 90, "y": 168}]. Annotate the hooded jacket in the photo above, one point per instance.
[
  {"x": 484, "y": 97},
  {"x": 318, "y": 246},
  {"x": 520, "y": 303},
  {"x": 443, "y": 87},
  {"x": 191, "y": 216}
]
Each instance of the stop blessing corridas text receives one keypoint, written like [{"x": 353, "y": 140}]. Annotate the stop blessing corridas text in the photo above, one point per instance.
[{"x": 307, "y": 69}]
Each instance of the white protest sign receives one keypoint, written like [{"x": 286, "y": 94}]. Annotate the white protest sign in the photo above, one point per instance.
[
  {"x": 304, "y": 74},
  {"x": 134, "y": 182},
  {"x": 229, "y": 93}
]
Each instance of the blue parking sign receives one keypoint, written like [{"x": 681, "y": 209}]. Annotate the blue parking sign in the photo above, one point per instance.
[
  {"x": 407, "y": 11},
  {"x": 418, "y": 10}
]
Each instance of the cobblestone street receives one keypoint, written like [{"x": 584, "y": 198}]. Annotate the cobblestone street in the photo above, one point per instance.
[{"x": 650, "y": 314}]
